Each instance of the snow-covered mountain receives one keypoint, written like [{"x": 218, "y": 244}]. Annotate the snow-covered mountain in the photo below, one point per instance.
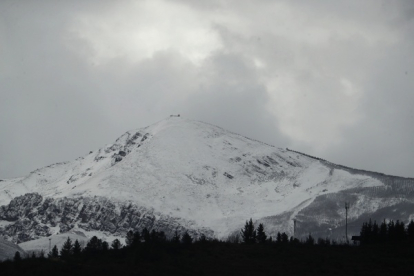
[{"x": 189, "y": 175}]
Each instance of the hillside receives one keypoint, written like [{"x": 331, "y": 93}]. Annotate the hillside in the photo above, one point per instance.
[{"x": 186, "y": 174}]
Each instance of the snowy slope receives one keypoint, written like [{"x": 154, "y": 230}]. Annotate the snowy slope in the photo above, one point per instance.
[
  {"x": 195, "y": 171},
  {"x": 8, "y": 250}
]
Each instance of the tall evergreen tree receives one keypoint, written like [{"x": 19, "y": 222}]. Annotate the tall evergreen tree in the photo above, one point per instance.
[
  {"x": 77, "y": 249},
  {"x": 186, "y": 239},
  {"x": 410, "y": 230},
  {"x": 310, "y": 240},
  {"x": 136, "y": 239},
  {"x": 279, "y": 238},
  {"x": 146, "y": 236},
  {"x": 116, "y": 244},
  {"x": 176, "y": 238},
  {"x": 67, "y": 249},
  {"x": 285, "y": 238},
  {"x": 400, "y": 231},
  {"x": 105, "y": 246},
  {"x": 129, "y": 240},
  {"x": 93, "y": 245},
  {"x": 249, "y": 233},
  {"x": 17, "y": 257},
  {"x": 383, "y": 232},
  {"x": 261, "y": 235},
  {"x": 54, "y": 253}
]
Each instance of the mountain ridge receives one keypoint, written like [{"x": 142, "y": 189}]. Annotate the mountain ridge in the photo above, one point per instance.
[{"x": 207, "y": 176}]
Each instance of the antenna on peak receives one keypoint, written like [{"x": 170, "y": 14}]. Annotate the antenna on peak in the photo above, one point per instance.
[{"x": 346, "y": 221}]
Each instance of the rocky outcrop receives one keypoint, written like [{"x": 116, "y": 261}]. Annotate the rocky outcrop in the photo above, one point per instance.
[{"x": 33, "y": 216}]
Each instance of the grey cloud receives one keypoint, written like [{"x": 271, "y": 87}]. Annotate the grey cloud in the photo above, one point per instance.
[{"x": 56, "y": 105}]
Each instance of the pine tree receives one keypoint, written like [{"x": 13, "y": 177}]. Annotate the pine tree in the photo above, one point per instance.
[
  {"x": 136, "y": 239},
  {"x": 261, "y": 235},
  {"x": 400, "y": 234},
  {"x": 17, "y": 257},
  {"x": 116, "y": 244},
  {"x": 93, "y": 245},
  {"x": 176, "y": 238},
  {"x": 146, "y": 235},
  {"x": 383, "y": 232},
  {"x": 310, "y": 240},
  {"x": 105, "y": 246},
  {"x": 375, "y": 232},
  {"x": 249, "y": 233},
  {"x": 129, "y": 240},
  {"x": 77, "y": 249},
  {"x": 54, "y": 253},
  {"x": 187, "y": 239},
  {"x": 285, "y": 238},
  {"x": 67, "y": 249},
  {"x": 278, "y": 238},
  {"x": 202, "y": 238},
  {"x": 410, "y": 230}
]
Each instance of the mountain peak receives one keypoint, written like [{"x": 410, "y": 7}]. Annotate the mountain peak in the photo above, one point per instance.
[{"x": 198, "y": 173}]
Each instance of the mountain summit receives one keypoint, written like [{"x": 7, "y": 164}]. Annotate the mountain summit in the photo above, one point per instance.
[{"x": 191, "y": 175}]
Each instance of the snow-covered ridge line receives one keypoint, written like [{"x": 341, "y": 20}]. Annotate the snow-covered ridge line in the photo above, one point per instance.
[
  {"x": 234, "y": 133},
  {"x": 352, "y": 170}
]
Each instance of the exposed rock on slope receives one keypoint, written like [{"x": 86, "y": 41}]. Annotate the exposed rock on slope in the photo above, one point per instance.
[{"x": 32, "y": 217}]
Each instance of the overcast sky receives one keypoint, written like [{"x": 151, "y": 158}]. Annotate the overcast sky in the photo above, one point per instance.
[{"x": 334, "y": 79}]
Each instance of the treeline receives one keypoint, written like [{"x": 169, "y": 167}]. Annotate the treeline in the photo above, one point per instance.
[
  {"x": 371, "y": 233},
  {"x": 391, "y": 232},
  {"x": 251, "y": 252}
]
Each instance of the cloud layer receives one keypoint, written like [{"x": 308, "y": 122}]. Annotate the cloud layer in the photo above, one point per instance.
[{"x": 333, "y": 80}]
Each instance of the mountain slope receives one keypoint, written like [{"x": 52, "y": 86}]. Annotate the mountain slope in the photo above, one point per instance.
[
  {"x": 8, "y": 250},
  {"x": 201, "y": 177}
]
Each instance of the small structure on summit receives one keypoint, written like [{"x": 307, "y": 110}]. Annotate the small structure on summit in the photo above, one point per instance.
[{"x": 178, "y": 115}]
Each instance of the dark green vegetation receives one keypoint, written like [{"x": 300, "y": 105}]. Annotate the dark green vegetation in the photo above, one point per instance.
[{"x": 151, "y": 253}]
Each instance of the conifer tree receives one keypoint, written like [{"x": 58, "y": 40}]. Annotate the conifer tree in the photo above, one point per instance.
[
  {"x": 176, "y": 238},
  {"x": 67, "y": 249},
  {"x": 105, "y": 246},
  {"x": 285, "y": 238},
  {"x": 77, "y": 249},
  {"x": 54, "y": 253},
  {"x": 116, "y": 244},
  {"x": 310, "y": 240},
  {"x": 137, "y": 239},
  {"x": 261, "y": 235},
  {"x": 383, "y": 232},
  {"x": 93, "y": 245},
  {"x": 186, "y": 239},
  {"x": 249, "y": 233},
  {"x": 375, "y": 232},
  {"x": 410, "y": 230},
  {"x": 278, "y": 238},
  {"x": 146, "y": 236},
  {"x": 202, "y": 238},
  {"x": 129, "y": 240},
  {"x": 17, "y": 257},
  {"x": 400, "y": 231}
]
